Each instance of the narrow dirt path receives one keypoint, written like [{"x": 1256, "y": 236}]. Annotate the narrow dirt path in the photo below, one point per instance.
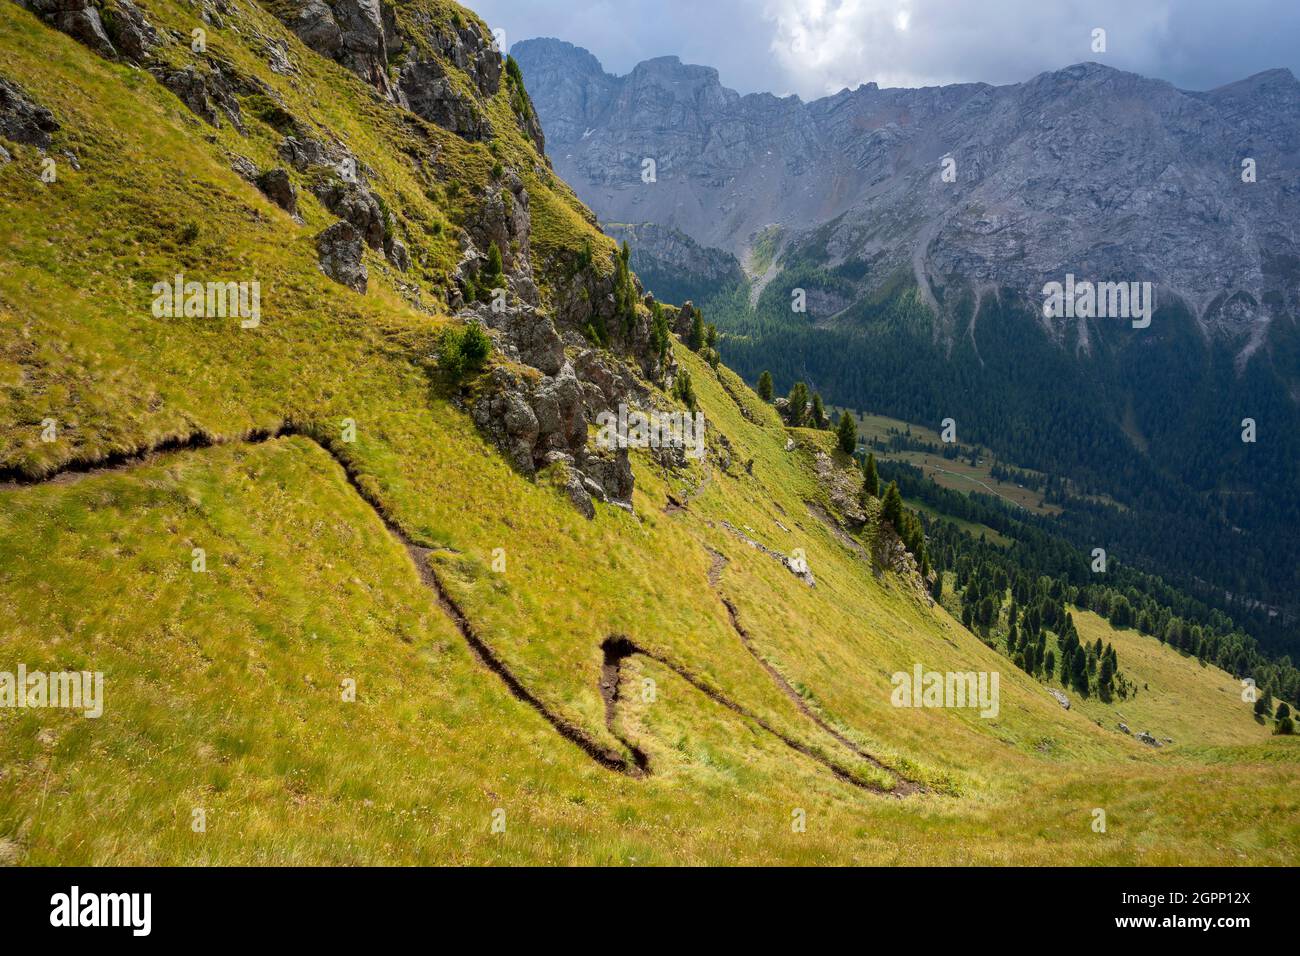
[
  {"x": 616, "y": 649},
  {"x": 419, "y": 555},
  {"x": 904, "y": 785}
]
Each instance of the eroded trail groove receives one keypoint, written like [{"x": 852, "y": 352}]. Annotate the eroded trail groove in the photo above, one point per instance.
[
  {"x": 615, "y": 649},
  {"x": 904, "y": 785},
  {"x": 618, "y": 648}
]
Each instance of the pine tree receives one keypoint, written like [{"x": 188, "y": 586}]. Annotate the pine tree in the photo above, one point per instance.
[
  {"x": 847, "y": 433},
  {"x": 892, "y": 507},
  {"x": 798, "y": 404},
  {"x": 696, "y": 338},
  {"x": 684, "y": 389},
  {"x": 870, "y": 477},
  {"x": 818, "y": 411},
  {"x": 765, "y": 386},
  {"x": 659, "y": 331}
]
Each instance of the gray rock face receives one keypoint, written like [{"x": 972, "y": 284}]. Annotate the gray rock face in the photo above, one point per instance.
[
  {"x": 1087, "y": 170},
  {"x": 23, "y": 121},
  {"x": 430, "y": 93},
  {"x": 353, "y": 32},
  {"x": 341, "y": 251}
]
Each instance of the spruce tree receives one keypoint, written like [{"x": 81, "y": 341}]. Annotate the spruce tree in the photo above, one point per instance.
[
  {"x": 765, "y": 386},
  {"x": 847, "y": 433},
  {"x": 892, "y": 507},
  {"x": 870, "y": 477},
  {"x": 818, "y": 411},
  {"x": 798, "y": 404},
  {"x": 696, "y": 339}
]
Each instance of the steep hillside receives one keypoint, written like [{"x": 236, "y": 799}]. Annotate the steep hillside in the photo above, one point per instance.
[{"x": 361, "y": 595}]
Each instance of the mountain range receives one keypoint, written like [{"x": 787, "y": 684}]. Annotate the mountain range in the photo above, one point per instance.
[{"x": 895, "y": 246}]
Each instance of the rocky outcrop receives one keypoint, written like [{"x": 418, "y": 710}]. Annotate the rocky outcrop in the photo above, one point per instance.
[
  {"x": 130, "y": 31},
  {"x": 429, "y": 91},
  {"x": 209, "y": 93},
  {"x": 440, "y": 69},
  {"x": 542, "y": 424},
  {"x": 356, "y": 33},
  {"x": 79, "y": 19},
  {"x": 341, "y": 250},
  {"x": 355, "y": 203},
  {"x": 501, "y": 218},
  {"x": 341, "y": 187},
  {"x": 842, "y": 485},
  {"x": 116, "y": 29},
  {"x": 1059, "y": 697},
  {"x": 22, "y": 120}
]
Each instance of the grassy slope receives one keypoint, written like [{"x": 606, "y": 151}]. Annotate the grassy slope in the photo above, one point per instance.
[{"x": 220, "y": 696}]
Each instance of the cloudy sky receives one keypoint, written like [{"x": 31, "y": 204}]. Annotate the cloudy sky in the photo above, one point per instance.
[{"x": 815, "y": 47}]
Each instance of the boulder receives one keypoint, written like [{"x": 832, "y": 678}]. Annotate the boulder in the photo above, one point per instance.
[
  {"x": 341, "y": 251},
  {"x": 79, "y": 19},
  {"x": 23, "y": 121},
  {"x": 277, "y": 187},
  {"x": 356, "y": 204}
]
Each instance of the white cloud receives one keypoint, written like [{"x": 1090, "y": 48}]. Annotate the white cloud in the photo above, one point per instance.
[{"x": 823, "y": 46}]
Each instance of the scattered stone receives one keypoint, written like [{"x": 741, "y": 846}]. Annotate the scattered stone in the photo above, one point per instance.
[
  {"x": 1124, "y": 727},
  {"x": 796, "y": 567},
  {"x": 1147, "y": 739},
  {"x": 1059, "y": 698}
]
